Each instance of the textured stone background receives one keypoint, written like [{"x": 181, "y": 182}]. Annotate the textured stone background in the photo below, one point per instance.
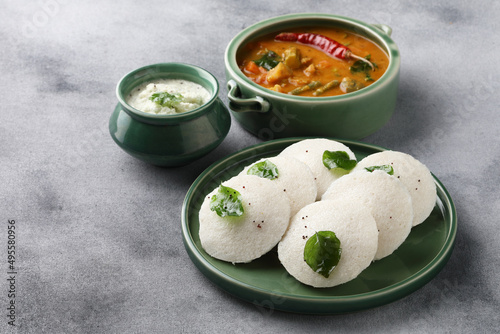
[{"x": 99, "y": 238}]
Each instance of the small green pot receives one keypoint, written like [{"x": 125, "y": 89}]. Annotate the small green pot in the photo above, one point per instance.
[
  {"x": 269, "y": 114},
  {"x": 169, "y": 140}
]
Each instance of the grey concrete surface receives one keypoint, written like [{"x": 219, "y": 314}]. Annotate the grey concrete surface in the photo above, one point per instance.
[{"x": 98, "y": 238}]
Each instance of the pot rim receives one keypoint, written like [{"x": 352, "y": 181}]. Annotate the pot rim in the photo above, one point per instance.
[
  {"x": 264, "y": 26},
  {"x": 159, "y": 71}
]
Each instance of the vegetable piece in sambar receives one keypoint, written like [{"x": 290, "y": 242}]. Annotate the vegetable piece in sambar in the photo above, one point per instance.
[
  {"x": 280, "y": 72},
  {"x": 292, "y": 58}
]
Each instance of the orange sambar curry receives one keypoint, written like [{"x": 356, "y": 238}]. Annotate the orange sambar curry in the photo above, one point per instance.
[{"x": 316, "y": 61}]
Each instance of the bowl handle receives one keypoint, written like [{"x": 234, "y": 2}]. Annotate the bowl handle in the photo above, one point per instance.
[
  {"x": 238, "y": 104},
  {"x": 385, "y": 28}
]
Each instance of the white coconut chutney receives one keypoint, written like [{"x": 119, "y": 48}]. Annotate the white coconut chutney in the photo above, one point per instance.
[{"x": 168, "y": 96}]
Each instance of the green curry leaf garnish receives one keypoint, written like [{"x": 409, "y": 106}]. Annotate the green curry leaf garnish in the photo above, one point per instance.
[
  {"x": 165, "y": 99},
  {"x": 227, "y": 202},
  {"x": 322, "y": 252},
  {"x": 265, "y": 169},
  {"x": 385, "y": 168},
  {"x": 269, "y": 60},
  {"x": 338, "y": 159}
]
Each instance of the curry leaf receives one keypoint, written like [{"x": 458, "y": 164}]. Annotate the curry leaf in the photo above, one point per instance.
[
  {"x": 265, "y": 169},
  {"x": 322, "y": 252},
  {"x": 269, "y": 60},
  {"x": 386, "y": 168},
  {"x": 338, "y": 159},
  {"x": 226, "y": 202}
]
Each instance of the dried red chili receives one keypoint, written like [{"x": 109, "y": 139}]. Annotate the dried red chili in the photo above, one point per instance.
[{"x": 323, "y": 43}]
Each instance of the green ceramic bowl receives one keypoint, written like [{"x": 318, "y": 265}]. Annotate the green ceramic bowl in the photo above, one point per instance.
[
  {"x": 269, "y": 114},
  {"x": 169, "y": 140}
]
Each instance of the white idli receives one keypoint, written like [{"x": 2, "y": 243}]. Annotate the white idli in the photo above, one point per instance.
[
  {"x": 414, "y": 175},
  {"x": 245, "y": 238},
  {"x": 295, "y": 179},
  {"x": 310, "y": 151},
  {"x": 354, "y": 227},
  {"x": 387, "y": 199}
]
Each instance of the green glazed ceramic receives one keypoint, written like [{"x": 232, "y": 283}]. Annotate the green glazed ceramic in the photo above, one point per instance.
[
  {"x": 169, "y": 140},
  {"x": 265, "y": 283},
  {"x": 269, "y": 114}
]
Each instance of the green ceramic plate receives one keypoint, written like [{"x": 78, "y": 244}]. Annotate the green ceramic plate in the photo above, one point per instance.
[{"x": 265, "y": 282}]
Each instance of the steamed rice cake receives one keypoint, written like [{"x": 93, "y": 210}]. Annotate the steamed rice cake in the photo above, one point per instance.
[
  {"x": 353, "y": 225},
  {"x": 245, "y": 238},
  {"x": 387, "y": 199},
  {"x": 414, "y": 175},
  {"x": 295, "y": 179},
  {"x": 310, "y": 151}
]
